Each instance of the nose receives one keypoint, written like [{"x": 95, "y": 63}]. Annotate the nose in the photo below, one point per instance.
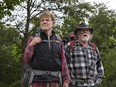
[
  {"x": 85, "y": 30},
  {"x": 44, "y": 20}
]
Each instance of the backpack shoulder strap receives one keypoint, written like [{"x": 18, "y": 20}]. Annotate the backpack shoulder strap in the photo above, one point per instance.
[
  {"x": 72, "y": 44},
  {"x": 93, "y": 45},
  {"x": 37, "y": 34},
  {"x": 58, "y": 37}
]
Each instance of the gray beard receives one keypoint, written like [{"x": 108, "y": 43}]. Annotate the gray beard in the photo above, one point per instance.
[{"x": 85, "y": 39}]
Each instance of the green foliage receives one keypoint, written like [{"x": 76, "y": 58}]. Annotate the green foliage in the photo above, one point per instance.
[
  {"x": 7, "y": 5},
  {"x": 103, "y": 23},
  {"x": 9, "y": 56},
  {"x": 15, "y": 84},
  {"x": 109, "y": 61},
  {"x": 75, "y": 14}
]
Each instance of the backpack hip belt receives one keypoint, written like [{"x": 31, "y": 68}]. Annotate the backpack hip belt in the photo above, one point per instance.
[
  {"x": 76, "y": 81},
  {"x": 40, "y": 72}
]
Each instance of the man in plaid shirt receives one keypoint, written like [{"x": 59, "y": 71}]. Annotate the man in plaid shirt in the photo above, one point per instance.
[
  {"x": 84, "y": 60},
  {"x": 46, "y": 57}
]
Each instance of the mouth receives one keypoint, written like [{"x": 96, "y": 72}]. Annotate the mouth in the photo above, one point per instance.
[
  {"x": 85, "y": 35},
  {"x": 44, "y": 25}
]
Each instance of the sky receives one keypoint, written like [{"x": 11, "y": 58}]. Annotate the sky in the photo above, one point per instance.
[{"x": 111, "y": 4}]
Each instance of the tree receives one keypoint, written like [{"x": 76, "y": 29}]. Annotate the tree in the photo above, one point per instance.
[
  {"x": 104, "y": 21},
  {"x": 74, "y": 15},
  {"x": 9, "y": 57},
  {"x": 6, "y": 6}
]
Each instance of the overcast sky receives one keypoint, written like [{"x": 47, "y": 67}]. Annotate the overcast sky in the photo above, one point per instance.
[{"x": 109, "y": 3}]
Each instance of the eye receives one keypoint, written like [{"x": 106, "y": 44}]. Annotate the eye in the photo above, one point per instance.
[{"x": 47, "y": 20}]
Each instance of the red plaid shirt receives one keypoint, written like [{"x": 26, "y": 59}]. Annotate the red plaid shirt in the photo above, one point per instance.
[{"x": 65, "y": 72}]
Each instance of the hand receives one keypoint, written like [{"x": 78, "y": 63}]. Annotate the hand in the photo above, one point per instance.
[
  {"x": 98, "y": 82},
  {"x": 65, "y": 84},
  {"x": 35, "y": 41}
]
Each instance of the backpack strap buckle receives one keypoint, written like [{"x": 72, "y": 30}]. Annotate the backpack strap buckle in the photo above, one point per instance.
[{"x": 47, "y": 73}]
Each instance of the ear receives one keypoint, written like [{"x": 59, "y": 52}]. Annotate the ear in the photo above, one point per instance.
[
  {"x": 53, "y": 23},
  {"x": 91, "y": 36}
]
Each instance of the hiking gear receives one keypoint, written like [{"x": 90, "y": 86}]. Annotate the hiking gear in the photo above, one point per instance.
[
  {"x": 72, "y": 36},
  {"x": 86, "y": 82},
  {"x": 45, "y": 73},
  {"x": 81, "y": 27}
]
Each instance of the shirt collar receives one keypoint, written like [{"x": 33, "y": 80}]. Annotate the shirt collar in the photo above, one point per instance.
[{"x": 79, "y": 44}]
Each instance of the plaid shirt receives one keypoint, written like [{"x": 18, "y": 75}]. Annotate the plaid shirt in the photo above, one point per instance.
[
  {"x": 51, "y": 84},
  {"x": 84, "y": 63},
  {"x": 29, "y": 51}
]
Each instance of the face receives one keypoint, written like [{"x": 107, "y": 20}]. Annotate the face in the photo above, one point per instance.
[
  {"x": 84, "y": 35},
  {"x": 46, "y": 23}
]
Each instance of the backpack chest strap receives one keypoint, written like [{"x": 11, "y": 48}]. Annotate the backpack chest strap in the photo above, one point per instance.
[{"x": 46, "y": 41}]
